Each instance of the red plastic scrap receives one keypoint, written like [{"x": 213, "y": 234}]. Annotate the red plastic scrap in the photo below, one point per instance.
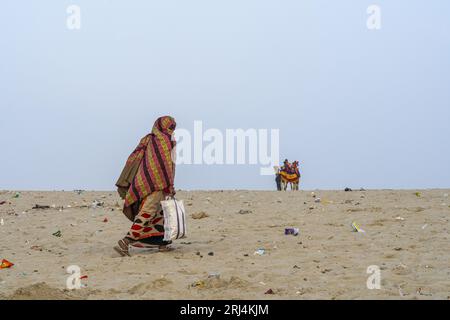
[{"x": 6, "y": 264}]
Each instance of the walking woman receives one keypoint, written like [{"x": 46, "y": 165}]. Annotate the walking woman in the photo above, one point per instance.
[{"x": 146, "y": 180}]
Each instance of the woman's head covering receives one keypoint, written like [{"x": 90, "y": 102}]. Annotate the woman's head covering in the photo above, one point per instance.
[
  {"x": 165, "y": 125},
  {"x": 154, "y": 154}
]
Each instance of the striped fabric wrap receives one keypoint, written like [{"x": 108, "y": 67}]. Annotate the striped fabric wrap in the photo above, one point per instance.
[
  {"x": 156, "y": 170},
  {"x": 138, "y": 153}
]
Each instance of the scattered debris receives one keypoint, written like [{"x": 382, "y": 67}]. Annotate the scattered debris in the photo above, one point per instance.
[
  {"x": 6, "y": 264},
  {"x": 293, "y": 231},
  {"x": 3, "y": 202},
  {"x": 270, "y": 291},
  {"x": 214, "y": 275},
  {"x": 400, "y": 218},
  {"x": 348, "y": 201},
  {"x": 244, "y": 211},
  {"x": 356, "y": 227},
  {"x": 419, "y": 291},
  {"x": 317, "y": 200},
  {"x": 105, "y": 220},
  {"x": 259, "y": 252},
  {"x": 78, "y": 191},
  {"x": 199, "y": 215},
  {"x": 216, "y": 282},
  {"x": 424, "y": 226},
  {"x": 57, "y": 234},
  {"x": 37, "y": 206},
  {"x": 313, "y": 194},
  {"x": 199, "y": 284},
  {"x": 347, "y": 189},
  {"x": 210, "y": 253},
  {"x": 37, "y": 248},
  {"x": 97, "y": 204},
  {"x": 401, "y": 269}
]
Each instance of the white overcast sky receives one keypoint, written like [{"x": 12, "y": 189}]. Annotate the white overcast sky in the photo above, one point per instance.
[{"x": 356, "y": 107}]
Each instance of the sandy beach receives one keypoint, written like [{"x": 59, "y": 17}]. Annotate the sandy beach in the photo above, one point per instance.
[{"x": 406, "y": 235}]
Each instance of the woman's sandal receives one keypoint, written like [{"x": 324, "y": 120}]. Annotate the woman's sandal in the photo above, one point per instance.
[
  {"x": 122, "y": 247},
  {"x": 165, "y": 248},
  {"x": 161, "y": 248}
]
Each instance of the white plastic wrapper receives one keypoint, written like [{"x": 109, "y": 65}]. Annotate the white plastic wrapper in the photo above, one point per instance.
[{"x": 174, "y": 219}]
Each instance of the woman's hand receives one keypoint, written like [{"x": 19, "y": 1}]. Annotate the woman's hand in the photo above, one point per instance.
[{"x": 170, "y": 191}]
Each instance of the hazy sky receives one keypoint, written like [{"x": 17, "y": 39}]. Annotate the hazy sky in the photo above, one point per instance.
[{"x": 357, "y": 107}]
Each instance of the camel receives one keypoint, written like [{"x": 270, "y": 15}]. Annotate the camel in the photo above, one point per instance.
[{"x": 290, "y": 175}]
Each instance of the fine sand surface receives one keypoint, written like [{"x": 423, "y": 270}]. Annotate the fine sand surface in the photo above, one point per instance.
[{"x": 407, "y": 236}]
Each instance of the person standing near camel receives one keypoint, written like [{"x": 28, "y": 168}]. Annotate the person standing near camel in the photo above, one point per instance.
[{"x": 277, "y": 177}]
